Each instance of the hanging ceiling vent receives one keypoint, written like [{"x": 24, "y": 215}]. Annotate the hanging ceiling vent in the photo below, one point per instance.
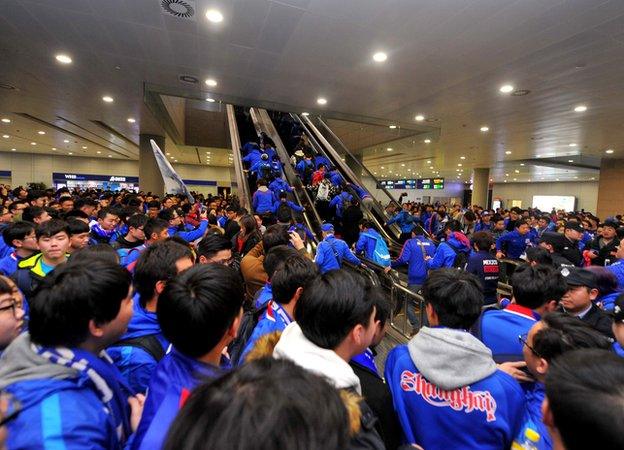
[{"x": 182, "y": 9}]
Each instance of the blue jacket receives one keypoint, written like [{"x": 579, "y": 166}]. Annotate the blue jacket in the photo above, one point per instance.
[
  {"x": 335, "y": 178},
  {"x": 338, "y": 201},
  {"x": 608, "y": 301},
  {"x": 326, "y": 254},
  {"x": 513, "y": 244},
  {"x": 445, "y": 255},
  {"x": 483, "y": 226},
  {"x": 264, "y": 296},
  {"x": 320, "y": 159},
  {"x": 262, "y": 168},
  {"x": 486, "y": 268},
  {"x": 301, "y": 227},
  {"x": 8, "y": 264},
  {"x": 499, "y": 329},
  {"x": 290, "y": 204},
  {"x": 253, "y": 157},
  {"x": 483, "y": 415},
  {"x": 249, "y": 147},
  {"x": 275, "y": 318},
  {"x": 5, "y": 249},
  {"x": 404, "y": 220},
  {"x": 136, "y": 364},
  {"x": 190, "y": 236},
  {"x": 129, "y": 255},
  {"x": 534, "y": 396},
  {"x": 263, "y": 200},
  {"x": 302, "y": 165},
  {"x": 412, "y": 255},
  {"x": 366, "y": 244},
  {"x": 278, "y": 185},
  {"x": 618, "y": 270},
  {"x": 359, "y": 190},
  {"x": 173, "y": 380},
  {"x": 617, "y": 348}
]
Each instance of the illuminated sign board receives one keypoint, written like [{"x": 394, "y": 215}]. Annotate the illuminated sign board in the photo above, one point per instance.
[{"x": 420, "y": 183}]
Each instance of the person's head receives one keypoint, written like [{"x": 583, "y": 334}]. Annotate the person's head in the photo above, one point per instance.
[
  {"x": 11, "y": 311},
  {"x": 157, "y": 265},
  {"x": 78, "y": 234},
  {"x": 482, "y": 241},
  {"x": 274, "y": 235},
  {"x": 366, "y": 224},
  {"x": 77, "y": 214},
  {"x": 230, "y": 212},
  {"x": 171, "y": 216},
  {"x": 537, "y": 287},
  {"x": 335, "y": 312},
  {"x": 37, "y": 198},
  {"x": 224, "y": 413},
  {"x": 609, "y": 229},
  {"x": 155, "y": 230},
  {"x": 90, "y": 253},
  {"x": 21, "y": 236},
  {"x": 584, "y": 397},
  {"x": 168, "y": 202},
  {"x": 327, "y": 229},
  {"x": 582, "y": 290},
  {"x": 451, "y": 227},
  {"x": 17, "y": 206},
  {"x": 606, "y": 281},
  {"x": 81, "y": 305},
  {"x": 470, "y": 217},
  {"x": 214, "y": 249},
  {"x": 136, "y": 226},
  {"x": 53, "y": 239},
  {"x": 499, "y": 223},
  {"x": 67, "y": 204},
  {"x": 573, "y": 230},
  {"x": 35, "y": 214},
  {"x": 538, "y": 256},
  {"x": 248, "y": 225},
  {"x": 153, "y": 208},
  {"x": 486, "y": 217},
  {"x": 108, "y": 218},
  {"x": 453, "y": 298},
  {"x": 275, "y": 257},
  {"x": 261, "y": 182},
  {"x": 543, "y": 221},
  {"x": 291, "y": 277},
  {"x": 200, "y": 309},
  {"x": 553, "y": 335},
  {"x": 522, "y": 226},
  {"x": 6, "y": 216},
  {"x": 618, "y": 319},
  {"x": 87, "y": 205},
  {"x": 515, "y": 213}
]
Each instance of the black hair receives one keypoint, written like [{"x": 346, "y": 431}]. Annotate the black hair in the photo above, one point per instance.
[
  {"x": 544, "y": 217},
  {"x": 167, "y": 214},
  {"x": 65, "y": 198},
  {"x": 16, "y": 230},
  {"x": 584, "y": 391},
  {"x": 534, "y": 286},
  {"x": 77, "y": 226},
  {"x": 137, "y": 221},
  {"x": 103, "y": 252},
  {"x": 34, "y": 195},
  {"x": 157, "y": 263},
  {"x": 382, "y": 305},
  {"x": 84, "y": 201},
  {"x": 273, "y": 236},
  {"x": 294, "y": 272},
  {"x": 453, "y": 225},
  {"x": 331, "y": 306},
  {"x": 366, "y": 223},
  {"x": 483, "y": 240},
  {"x": 153, "y": 204},
  {"x": 30, "y": 213},
  {"x": 563, "y": 333},
  {"x": 232, "y": 208},
  {"x": 76, "y": 213},
  {"x": 539, "y": 255},
  {"x": 275, "y": 257},
  {"x": 13, "y": 206},
  {"x": 112, "y": 211},
  {"x": 520, "y": 222},
  {"x": 469, "y": 215},
  {"x": 198, "y": 306},
  {"x": 154, "y": 225},
  {"x": 72, "y": 295},
  {"x": 455, "y": 296},
  {"x": 283, "y": 195},
  {"x": 51, "y": 227},
  {"x": 211, "y": 245},
  {"x": 261, "y": 182},
  {"x": 240, "y": 410}
]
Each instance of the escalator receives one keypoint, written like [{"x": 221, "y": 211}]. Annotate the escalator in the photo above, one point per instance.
[{"x": 240, "y": 176}]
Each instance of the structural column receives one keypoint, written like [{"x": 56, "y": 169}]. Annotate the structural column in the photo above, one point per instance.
[
  {"x": 480, "y": 187},
  {"x": 150, "y": 178},
  {"x": 610, "y": 192}
]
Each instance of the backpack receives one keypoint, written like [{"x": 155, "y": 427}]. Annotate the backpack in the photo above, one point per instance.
[
  {"x": 308, "y": 170},
  {"x": 322, "y": 194},
  {"x": 461, "y": 258},
  {"x": 149, "y": 343},
  {"x": 124, "y": 253},
  {"x": 284, "y": 214},
  {"x": 381, "y": 254},
  {"x": 245, "y": 330}
]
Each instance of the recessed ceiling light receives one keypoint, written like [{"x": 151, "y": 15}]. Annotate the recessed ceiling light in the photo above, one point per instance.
[
  {"x": 214, "y": 16},
  {"x": 66, "y": 141},
  {"x": 210, "y": 100},
  {"x": 382, "y": 167},
  {"x": 506, "y": 88},
  {"x": 508, "y": 152},
  {"x": 428, "y": 162},
  {"x": 110, "y": 156},
  {"x": 462, "y": 157},
  {"x": 427, "y": 141},
  {"x": 63, "y": 58},
  {"x": 580, "y": 108},
  {"x": 13, "y": 150},
  {"x": 392, "y": 127},
  {"x": 573, "y": 144},
  {"x": 431, "y": 167},
  {"x": 131, "y": 120},
  {"x": 41, "y": 132},
  {"x": 556, "y": 179},
  {"x": 108, "y": 99},
  {"x": 517, "y": 171},
  {"x": 504, "y": 181},
  {"x": 380, "y": 57},
  {"x": 54, "y": 148},
  {"x": 321, "y": 101},
  {"x": 459, "y": 165},
  {"x": 420, "y": 118},
  {"x": 515, "y": 179},
  {"x": 211, "y": 82},
  {"x": 402, "y": 165},
  {"x": 70, "y": 153},
  {"x": 522, "y": 164},
  {"x": 6, "y": 136},
  {"x": 609, "y": 151},
  {"x": 98, "y": 152},
  {"x": 5, "y": 120},
  {"x": 506, "y": 174},
  {"x": 529, "y": 179},
  {"x": 33, "y": 143},
  {"x": 305, "y": 113},
  {"x": 485, "y": 129},
  {"x": 593, "y": 178},
  {"x": 570, "y": 160},
  {"x": 389, "y": 149}
]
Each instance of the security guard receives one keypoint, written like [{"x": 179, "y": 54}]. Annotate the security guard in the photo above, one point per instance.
[{"x": 572, "y": 233}]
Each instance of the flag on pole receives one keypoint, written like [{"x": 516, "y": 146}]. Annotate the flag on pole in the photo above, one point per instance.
[{"x": 173, "y": 182}]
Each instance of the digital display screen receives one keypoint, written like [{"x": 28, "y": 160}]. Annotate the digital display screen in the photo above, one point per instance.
[{"x": 421, "y": 183}]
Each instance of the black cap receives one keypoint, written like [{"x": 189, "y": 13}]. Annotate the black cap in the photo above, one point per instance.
[
  {"x": 576, "y": 226},
  {"x": 579, "y": 277},
  {"x": 553, "y": 238},
  {"x": 618, "y": 309},
  {"x": 611, "y": 223}
]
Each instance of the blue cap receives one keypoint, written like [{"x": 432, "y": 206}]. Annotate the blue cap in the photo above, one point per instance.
[{"x": 327, "y": 227}]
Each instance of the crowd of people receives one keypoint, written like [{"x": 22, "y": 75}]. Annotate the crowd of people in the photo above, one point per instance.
[{"x": 146, "y": 321}]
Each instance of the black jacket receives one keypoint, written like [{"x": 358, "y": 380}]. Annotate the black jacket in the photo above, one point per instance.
[
  {"x": 231, "y": 228},
  {"x": 604, "y": 250},
  {"x": 599, "y": 320},
  {"x": 571, "y": 252}
]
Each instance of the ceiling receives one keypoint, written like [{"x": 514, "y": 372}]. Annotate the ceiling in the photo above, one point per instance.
[{"x": 446, "y": 61}]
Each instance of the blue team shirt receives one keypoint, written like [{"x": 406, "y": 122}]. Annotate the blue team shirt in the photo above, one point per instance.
[{"x": 274, "y": 319}]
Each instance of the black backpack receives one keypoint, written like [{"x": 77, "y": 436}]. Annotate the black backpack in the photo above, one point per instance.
[
  {"x": 149, "y": 343},
  {"x": 284, "y": 214},
  {"x": 248, "y": 323},
  {"x": 461, "y": 258}
]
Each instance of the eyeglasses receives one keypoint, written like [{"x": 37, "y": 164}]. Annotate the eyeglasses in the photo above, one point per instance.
[
  {"x": 14, "y": 305},
  {"x": 223, "y": 262},
  {"x": 523, "y": 340}
]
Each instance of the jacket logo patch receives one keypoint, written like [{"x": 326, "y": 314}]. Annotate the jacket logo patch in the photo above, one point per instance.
[{"x": 458, "y": 399}]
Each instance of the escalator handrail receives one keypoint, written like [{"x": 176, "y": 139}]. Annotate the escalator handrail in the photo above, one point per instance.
[{"x": 241, "y": 179}]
